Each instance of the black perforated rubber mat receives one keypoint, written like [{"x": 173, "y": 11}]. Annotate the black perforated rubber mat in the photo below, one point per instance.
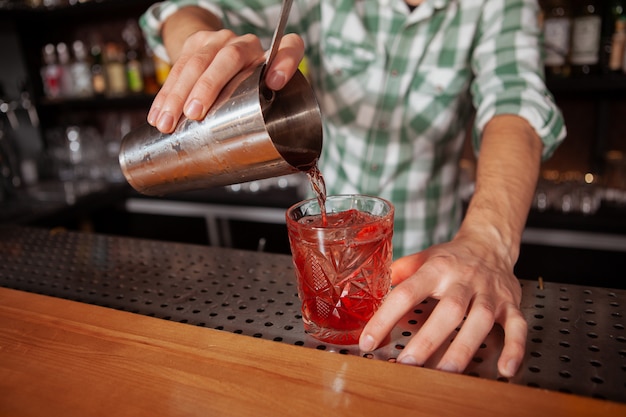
[{"x": 576, "y": 341}]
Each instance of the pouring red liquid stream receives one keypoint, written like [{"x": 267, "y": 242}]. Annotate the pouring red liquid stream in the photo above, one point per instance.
[{"x": 319, "y": 187}]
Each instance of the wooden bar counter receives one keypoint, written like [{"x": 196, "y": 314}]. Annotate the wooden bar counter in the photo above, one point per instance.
[
  {"x": 64, "y": 358},
  {"x": 68, "y": 348}
]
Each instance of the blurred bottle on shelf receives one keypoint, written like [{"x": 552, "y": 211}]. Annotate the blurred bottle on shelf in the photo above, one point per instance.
[
  {"x": 586, "y": 35},
  {"x": 618, "y": 48},
  {"x": 65, "y": 61},
  {"x": 115, "y": 70},
  {"x": 134, "y": 71},
  {"x": 148, "y": 70},
  {"x": 162, "y": 70},
  {"x": 81, "y": 70},
  {"x": 613, "y": 36},
  {"x": 98, "y": 76},
  {"x": 51, "y": 72},
  {"x": 557, "y": 22}
]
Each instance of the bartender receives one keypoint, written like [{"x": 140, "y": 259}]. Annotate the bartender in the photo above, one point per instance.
[{"x": 398, "y": 82}]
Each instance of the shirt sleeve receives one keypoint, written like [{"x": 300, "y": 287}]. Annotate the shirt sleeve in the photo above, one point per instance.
[
  {"x": 241, "y": 16},
  {"x": 152, "y": 20},
  {"x": 509, "y": 76}
]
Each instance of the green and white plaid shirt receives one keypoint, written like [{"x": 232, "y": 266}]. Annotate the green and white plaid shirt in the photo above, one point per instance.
[{"x": 397, "y": 90}]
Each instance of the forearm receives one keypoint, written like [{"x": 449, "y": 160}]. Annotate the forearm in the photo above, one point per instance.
[
  {"x": 183, "y": 23},
  {"x": 508, "y": 168}
]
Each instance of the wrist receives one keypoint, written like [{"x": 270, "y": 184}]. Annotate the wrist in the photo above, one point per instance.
[{"x": 487, "y": 227}]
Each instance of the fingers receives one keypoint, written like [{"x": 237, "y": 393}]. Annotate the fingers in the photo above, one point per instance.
[
  {"x": 515, "y": 333},
  {"x": 228, "y": 61},
  {"x": 477, "y": 303},
  {"x": 168, "y": 104},
  {"x": 450, "y": 312},
  {"x": 473, "y": 332},
  {"x": 446, "y": 316},
  {"x": 288, "y": 57},
  {"x": 208, "y": 62},
  {"x": 399, "y": 301}
]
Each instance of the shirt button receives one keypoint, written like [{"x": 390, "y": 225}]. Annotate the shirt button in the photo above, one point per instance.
[
  {"x": 394, "y": 73},
  {"x": 375, "y": 167}
]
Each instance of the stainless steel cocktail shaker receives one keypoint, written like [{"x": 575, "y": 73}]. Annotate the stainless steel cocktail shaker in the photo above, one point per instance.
[{"x": 250, "y": 133}]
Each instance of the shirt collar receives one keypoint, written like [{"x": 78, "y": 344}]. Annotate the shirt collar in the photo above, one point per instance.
[{"x": 424, "y": 10}]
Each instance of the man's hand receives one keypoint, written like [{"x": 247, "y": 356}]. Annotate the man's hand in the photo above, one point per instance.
[
  {"x": 474, "y": 289},
  {"x": 472, "y": 275},
  {"x": 205, "y": 58}
]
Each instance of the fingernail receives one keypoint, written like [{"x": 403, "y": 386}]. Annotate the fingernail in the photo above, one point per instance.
[
  {"x": 166, "y": 122},
  {"x": 153, "y": 115},
  {"x": 367, "y": 343},
  {"x": 510, "y": 368},
  {"x": 276, "y": 80},
  {"x": 449, "y": 367},
  {"x": 194, "y": 109},
  {"x": 407, "y": 360}
]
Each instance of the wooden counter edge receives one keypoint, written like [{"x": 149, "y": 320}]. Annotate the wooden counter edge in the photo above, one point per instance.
[{"x": 60, "y": 357}]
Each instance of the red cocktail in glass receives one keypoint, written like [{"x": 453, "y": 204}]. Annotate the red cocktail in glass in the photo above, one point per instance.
[{"x": 342, "y": 263}]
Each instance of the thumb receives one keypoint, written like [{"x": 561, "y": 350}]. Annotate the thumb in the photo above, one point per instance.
[
  {"x": 406, "y": 266},
  {"x": 289, "y": 55}
]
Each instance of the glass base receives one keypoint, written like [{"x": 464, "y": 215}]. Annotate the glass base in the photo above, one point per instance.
[{"x": 333, "y": 336}]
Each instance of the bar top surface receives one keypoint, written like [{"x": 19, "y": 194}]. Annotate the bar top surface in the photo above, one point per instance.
[{"x": 576, "y": 345}]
